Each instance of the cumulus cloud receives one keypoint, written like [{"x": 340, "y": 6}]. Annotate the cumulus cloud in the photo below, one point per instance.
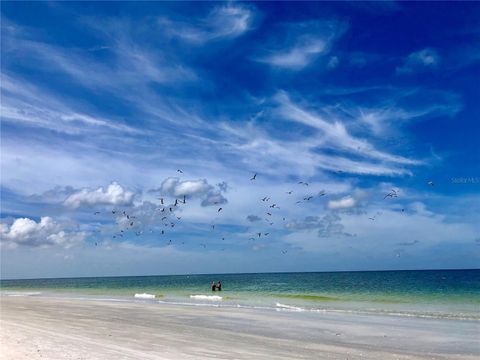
[
  {"x": 210, "y": 195},
  {"x": 426, "y": 59},
  {"x": 46, "y": 232},
  {"x": 115, "y": 194},
  {"x": 343, "y": 203},
  {"x": 328, "y": 226}
]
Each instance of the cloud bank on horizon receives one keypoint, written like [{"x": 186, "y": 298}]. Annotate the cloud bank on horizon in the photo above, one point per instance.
[{"x": 130, "y": 136}]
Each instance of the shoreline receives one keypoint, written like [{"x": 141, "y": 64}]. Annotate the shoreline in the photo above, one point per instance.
[{"x": 63, "y": 328}]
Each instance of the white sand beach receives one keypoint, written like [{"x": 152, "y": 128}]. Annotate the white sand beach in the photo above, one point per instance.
[{"x": 55, "y": 328}]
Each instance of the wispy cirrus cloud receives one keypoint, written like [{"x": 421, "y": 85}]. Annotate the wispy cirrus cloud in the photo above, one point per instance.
[
  {"x": 425, "y": 59},
  {"x": 297, "y": 45},
  {"x": 222, "y": 22},
  {"x": 24, "y": 103}
]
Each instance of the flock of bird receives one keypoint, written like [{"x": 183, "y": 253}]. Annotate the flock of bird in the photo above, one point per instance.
[{"x": 169, "y": 219}]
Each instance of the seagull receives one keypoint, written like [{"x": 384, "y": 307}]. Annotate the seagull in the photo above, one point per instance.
[
  {"x": 266, "y": 198},
  {"x": 213, "y": 227},
  {"x": 252, "y": 239},
  {"x": 308, "y": 198},
  {"x": 204, "y": 246},
  {"x": 163, "y": 218},
  {"x": 180, "y": 171},
  {"x": 259, "y": 234},
  {"x": 96, "y": 213},
  {"x": 430, "y": 182},
  {"x": 131, "y": 224},
  {"x": 163, "y": 232},
  {"x": 184, "y": 199},
  {"x": 284, "y": 252},
  {"x": 304, "y": 183},
  {"x": 273, "y": 205},
  {"x": 289, "y": 192},
  {"x": 179, "y": 217},
  {"x": 171, "y": 210},
  {"x": 113, "y": 211},
  {"x": 322, "y": 193},
  {"x": 269, "y": 214},
  {"x": 371, "y": 218},
  {"x": 265, "y": 234},
  {"x": 161, "y": 201},
  {"x": 176, "y": 202},
  {"x": 391, "y": 194},
  {"x": 254, "y": 177},
  {"x": 220, "y": 209},
  {"x": 96, "y": 244},
  {"x": 223, "y": 239}
]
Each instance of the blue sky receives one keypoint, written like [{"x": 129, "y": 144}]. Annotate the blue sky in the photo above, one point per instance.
[{"x": 102, "y": 103}]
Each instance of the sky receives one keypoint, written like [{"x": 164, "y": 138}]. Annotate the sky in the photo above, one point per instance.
[{"x": 302, "y": 137}]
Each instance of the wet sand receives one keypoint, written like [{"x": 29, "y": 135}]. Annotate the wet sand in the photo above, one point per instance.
[{"x": 34, "y": 327}]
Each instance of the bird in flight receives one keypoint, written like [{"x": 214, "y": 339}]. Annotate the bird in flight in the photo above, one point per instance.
[
  {"x": 289, "y": 192},
  {"x": 254, "y": 177},
  {"x": 180, "y": 171},
  {"x": 220, "y": 209},
  {"x": 391, "y": 194},
  {"x": 96, "y": 213},
  {"x": 430, "y": 182},
  {"x": 322, "y": 193},
  {"x": 303, "y": 183}
]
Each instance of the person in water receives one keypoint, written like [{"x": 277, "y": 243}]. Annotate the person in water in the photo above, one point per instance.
[
  {"x": 219, "y": 286},
  {"x": 213, "y": 285}
]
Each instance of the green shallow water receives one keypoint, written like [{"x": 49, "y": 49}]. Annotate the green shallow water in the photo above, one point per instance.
[{"x": 449, "y": 293}]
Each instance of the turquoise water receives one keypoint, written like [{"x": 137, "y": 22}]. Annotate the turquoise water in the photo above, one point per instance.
[{"x": 435, "y": 293}]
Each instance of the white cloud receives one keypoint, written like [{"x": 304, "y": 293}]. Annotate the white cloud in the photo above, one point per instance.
[
  {"x": 115, "y": 194},
  {"x": 302, "y": 43},
  {"x": 46, "y": 232},
  {"x": 210, "y": 194},
  {"x": 223, "y": 22},
  {"x": 419, "y": 61},
  {"x": 343, "y": 203}
]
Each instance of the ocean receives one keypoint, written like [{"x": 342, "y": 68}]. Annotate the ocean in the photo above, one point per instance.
[{"x": 447, "y": 294}]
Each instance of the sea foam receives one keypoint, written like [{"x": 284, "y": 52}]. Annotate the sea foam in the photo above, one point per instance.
[
  {"x": 206, "y": 297},
  {"x": 145, "y": 296},
  {"x": 289, "y": 307}
]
